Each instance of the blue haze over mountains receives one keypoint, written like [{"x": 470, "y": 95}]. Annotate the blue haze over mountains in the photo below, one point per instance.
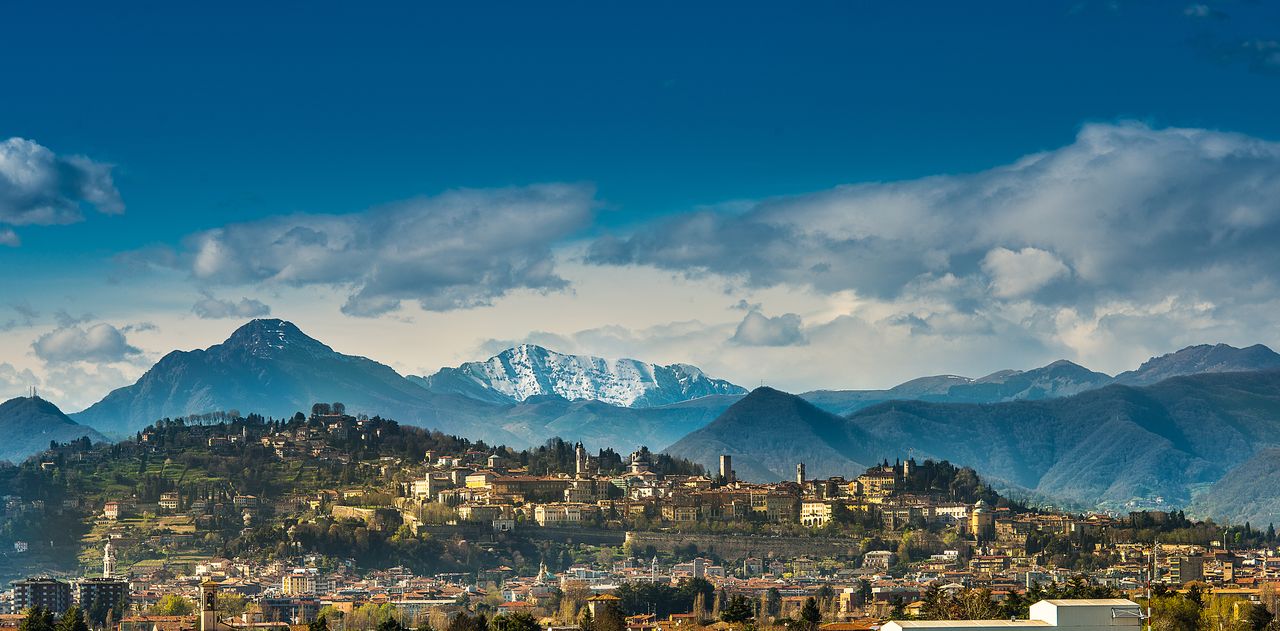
[{"x": 1061, "y": 432}]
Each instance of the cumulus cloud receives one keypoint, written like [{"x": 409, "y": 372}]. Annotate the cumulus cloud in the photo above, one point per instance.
[
  {"x": 756, "y": 329},
  {"x": 209, "y": 308},
  {"x": 461, "y": 249},
  {"x": 1123, "y": 208},
  {"x": 39, "y": 187},
  {"x": 100, "y": 343},
  {"x": 1023, "y": 272}
]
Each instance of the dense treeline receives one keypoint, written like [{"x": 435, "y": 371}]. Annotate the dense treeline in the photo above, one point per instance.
[
  {"x": 664, "y": 599},
  {"x": 962, "y": 484}
]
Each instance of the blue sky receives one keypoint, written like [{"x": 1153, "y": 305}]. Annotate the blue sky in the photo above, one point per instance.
[{"x": 235, "y": 113}]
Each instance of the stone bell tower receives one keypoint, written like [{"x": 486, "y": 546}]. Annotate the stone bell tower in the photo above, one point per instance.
[
  {"x": 108, "y": 560},
  {"x": 209, "y": 605}
]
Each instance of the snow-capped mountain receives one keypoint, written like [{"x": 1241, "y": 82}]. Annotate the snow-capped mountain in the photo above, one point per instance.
[{"x": 525, "y": 371}]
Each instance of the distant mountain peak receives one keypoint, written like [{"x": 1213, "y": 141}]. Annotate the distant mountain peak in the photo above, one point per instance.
[
  {"x": 764, "y": 393},
  {"x": 269, "y": 336},
  {"x": 1065, "y": 363},
  {"x": 271, "y": 367},
  {"x": 529, "y": 370}
]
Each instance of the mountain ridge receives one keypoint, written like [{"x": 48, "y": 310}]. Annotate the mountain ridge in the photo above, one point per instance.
[
  {"x": 1117, "y": 447},
  {"x": 1055, "y": 379},
  {"x": 529, "y": 394},
  {"x": 1201, "y": 358}
]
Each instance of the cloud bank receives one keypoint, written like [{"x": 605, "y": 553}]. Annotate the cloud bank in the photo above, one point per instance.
[
  {"x": 458, "y": 250},
  {"x": 1127, "y": 231},
  {"x": 1125, "y": 206}
]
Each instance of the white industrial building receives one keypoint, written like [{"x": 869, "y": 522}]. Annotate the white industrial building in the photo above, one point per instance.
[{"x": 1100, "y": 614}]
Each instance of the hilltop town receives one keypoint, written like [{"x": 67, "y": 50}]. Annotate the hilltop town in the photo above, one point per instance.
[{"x": 356, "y": 519}]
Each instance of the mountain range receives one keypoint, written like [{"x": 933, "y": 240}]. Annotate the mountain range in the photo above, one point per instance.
[
  {"x": 1060, "y": 378},
  {"x": 528, "y": 394},
  {"x": 1116, "y": 447},
  {"x": 271, "y": 367},
  {"x": 1060, "y": 431},
  {"x": 521, "y": 397}
]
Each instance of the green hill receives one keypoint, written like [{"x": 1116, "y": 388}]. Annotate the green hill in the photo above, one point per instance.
[{"x": 30, "y": 423}]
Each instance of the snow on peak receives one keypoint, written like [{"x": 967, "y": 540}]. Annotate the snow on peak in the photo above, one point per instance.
[{"x": 529, "y": 370}]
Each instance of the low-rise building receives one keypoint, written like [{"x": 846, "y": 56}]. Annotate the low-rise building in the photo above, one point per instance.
[{"x": 1102, "y": 614}]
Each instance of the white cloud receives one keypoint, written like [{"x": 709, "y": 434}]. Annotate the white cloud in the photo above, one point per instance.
[
  {"x": 461, "y": 249},
  {"x": 209, "y": 307},
  {"x": 757, "y": 329},
  {"x": 100, "y": 343},
  {"x": 1023, "y": 272},
  {"x": 39, "y": 187},
  {"x": 1123, "y": 207},
  {"x": 1126, "y": 214}
]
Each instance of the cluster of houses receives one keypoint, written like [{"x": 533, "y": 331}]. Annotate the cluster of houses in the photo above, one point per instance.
[
  {"x": 860, "y": 593},
  {"x": 480, "y": 488},
  {"x": 985, "y": 546}
]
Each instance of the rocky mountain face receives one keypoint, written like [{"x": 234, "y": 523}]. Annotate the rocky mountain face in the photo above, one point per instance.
[
  {"x": 30, "y": 423},
  {"x": 271, "y": 367},
  {"x": 527, "y": 370},
  {"x": 1113, "y": 447}
]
